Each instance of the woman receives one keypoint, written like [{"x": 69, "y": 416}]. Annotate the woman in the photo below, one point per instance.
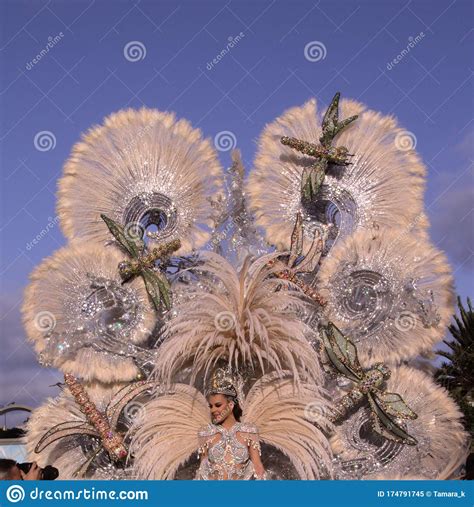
[
  {"x": 181, "y": 420},
  {"x": 229, "y": 449}
]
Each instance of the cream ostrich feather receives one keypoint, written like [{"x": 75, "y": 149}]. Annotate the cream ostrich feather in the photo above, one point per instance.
[
  {"x": 69, "y": 453},
  {"x": 241, "y": 318},
  {"x": 390, "y": 292},
  {"x": 141, "y": 168},
  {"x": 76, "y": 307},
  {"x": 383, "y": 185},
  {"x": 285, "y": 416},
  {"x": 167, "y": 438},
  {"x": 442, "y": 442}
]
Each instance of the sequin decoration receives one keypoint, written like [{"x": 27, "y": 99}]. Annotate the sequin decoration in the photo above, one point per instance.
[
  {"x": 147, "y": 171},
  {"x": 81, "y": 318},
  {"x": 441, "y": 441},
  {"x": 389, "y": 292}
]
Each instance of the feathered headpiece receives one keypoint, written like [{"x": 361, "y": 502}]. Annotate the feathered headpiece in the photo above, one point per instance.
[{"x": 247, "y": 319}]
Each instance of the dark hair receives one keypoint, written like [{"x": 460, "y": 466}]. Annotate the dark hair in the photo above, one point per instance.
[
  {"x": 237, "y": 411},
  {"x": 5, "y": 467}
]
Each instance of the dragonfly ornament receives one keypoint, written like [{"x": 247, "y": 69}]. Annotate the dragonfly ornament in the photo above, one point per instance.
[
  {"x": 323, "y": 153},
  {"x": 386, "y": 409},
  {"x": 296, "y": 263},
  {"x": 143, "y": 263}
]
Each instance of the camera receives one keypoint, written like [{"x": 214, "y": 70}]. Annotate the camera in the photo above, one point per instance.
[{"x": 48, "y": 473}]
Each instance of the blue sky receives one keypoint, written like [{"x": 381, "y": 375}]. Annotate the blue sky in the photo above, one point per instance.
[{"x": 86, "y": 76}]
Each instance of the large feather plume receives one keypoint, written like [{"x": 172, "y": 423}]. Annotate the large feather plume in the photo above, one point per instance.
[
  {"x": 384, "y": 184},
  {"x": 141, "y": 168},
  {"x": 442, "y": 441},
  {"x": 76, "y": 306},
  {"x": 389, "y": 292},
  {"x": 285, "y": 419},
  {"x": 167, "y": 434},
  {"x": 241, "y": 318}
]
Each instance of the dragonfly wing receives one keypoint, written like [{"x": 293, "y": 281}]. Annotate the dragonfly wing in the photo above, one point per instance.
[
  {"x": 385, "y": 425},
  {"x": 133, "y": 246},
  {"x": 337, "y": 358},
  {"x": 394, "y": 405},
  {"x": 309, "y": 263},
  {"x": 157, "y": 287}
]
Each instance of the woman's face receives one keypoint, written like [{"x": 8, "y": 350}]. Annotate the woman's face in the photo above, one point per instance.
[{"x": 220, "y": 408}]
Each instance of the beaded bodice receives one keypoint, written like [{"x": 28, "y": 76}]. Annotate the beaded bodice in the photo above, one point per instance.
[{"x": 227, "y": 451}]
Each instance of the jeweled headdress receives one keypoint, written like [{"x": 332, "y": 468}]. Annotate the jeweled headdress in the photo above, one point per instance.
[{"x": 225, "y": 381}]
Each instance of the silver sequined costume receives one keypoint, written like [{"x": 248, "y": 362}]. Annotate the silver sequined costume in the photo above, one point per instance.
[{"x": 226, "y": 452}]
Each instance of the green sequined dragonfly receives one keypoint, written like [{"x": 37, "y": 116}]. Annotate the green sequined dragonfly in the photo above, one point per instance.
[
  {"x": 324, "y": 153},
  {"x": 142, "y": 262},
  {"x": 385, "y": 407}
]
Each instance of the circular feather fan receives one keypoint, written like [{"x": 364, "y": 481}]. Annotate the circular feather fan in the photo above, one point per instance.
[
  {"x": 80, "y": 317},
  {"x": 147, "y": 171},
  {"x": 441, "y": 447},
  {"x": 390, "y": 293},
  {"x": 384, "y": 183}
]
